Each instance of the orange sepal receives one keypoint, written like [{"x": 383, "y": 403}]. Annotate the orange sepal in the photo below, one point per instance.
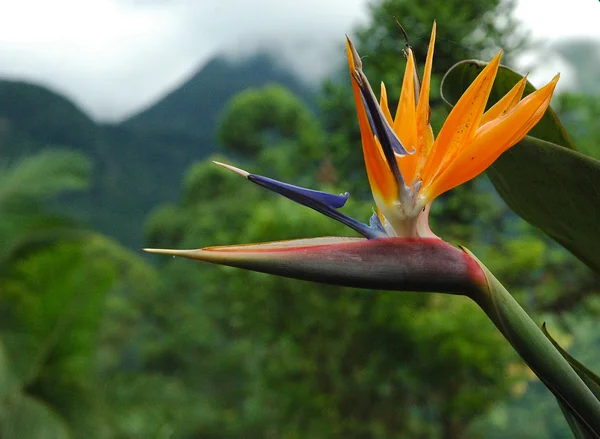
[
  {"x": 492, "y": 139},
  {"x": 382, "y": 181},
  {"x": 462, "y": 122},
  {"x": 383, "y": 103},
  {"x": 509, "y": 101},
  {"x": 423, "y": 110},
  {"x": 405, "y": 122}
]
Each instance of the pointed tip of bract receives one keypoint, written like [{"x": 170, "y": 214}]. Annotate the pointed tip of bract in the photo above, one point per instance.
[
  {"x": 496, "y": 59},
  {"x": 243, "y": 173},
  {"x": 549, "y": 88},
  {"x": 552, "y": 85},
  {"x": 166, "y": 251},
  {"x": 353, "y": 56}
]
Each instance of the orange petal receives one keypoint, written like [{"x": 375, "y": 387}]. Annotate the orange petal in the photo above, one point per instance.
[
  {"x": 462, "y": 122},
  {"x": 405, "y": 122},
  {"x": 383, "y": 103},
  {"x": 423, "y": 110},
  {"x": 493, "y": 139},
  {"x": 508, "y": 102},
  {"x": 382, "y": 180}
]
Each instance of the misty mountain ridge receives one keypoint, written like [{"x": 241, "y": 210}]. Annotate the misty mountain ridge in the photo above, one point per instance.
[
  {"x": 138, "y": 163},
  {"x": 184, "y": 110}
]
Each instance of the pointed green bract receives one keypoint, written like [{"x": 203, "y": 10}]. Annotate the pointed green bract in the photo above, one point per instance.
[
  {"x": 589, "y": 378},
  {"x": 542, "y": 178},
  {"x": 579, "y": 430}
]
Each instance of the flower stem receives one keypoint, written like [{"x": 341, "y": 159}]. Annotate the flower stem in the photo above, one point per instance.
[{"x": 536, "y": 350}]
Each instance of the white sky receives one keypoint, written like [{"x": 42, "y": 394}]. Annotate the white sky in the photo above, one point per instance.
[{"x": 113, "y": 57}]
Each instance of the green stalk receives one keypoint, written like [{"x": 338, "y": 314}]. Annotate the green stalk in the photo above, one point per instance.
[{"x": 536, "y": 350}]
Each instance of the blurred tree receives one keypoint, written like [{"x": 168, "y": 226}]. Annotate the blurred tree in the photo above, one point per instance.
[
  {"x": 257, "y": 119},
  {"x": 25, "y": 188},
  {"x": 54, "y": 281}
]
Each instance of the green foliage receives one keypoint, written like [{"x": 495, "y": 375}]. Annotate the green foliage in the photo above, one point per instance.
[
  {"x": 60, "y": 349},
  {"x": 24, "y": 417},
  {"x": 54, "y": 282},
  {"x": 25, "y": 187},
  {"x": 466, "y": 28},
  {"x": 256, "y": 118}
]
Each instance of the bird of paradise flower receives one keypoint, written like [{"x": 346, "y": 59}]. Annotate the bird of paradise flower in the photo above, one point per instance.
[{"x": 407, "y": 169}]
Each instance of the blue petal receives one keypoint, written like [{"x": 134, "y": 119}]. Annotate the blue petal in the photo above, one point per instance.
[
  {"x": 331, "y": 200},
  {"x": 322, "y": 202},
  {"x": 375, "y": 224}
]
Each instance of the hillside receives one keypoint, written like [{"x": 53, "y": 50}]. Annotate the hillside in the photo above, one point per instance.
[
  {"x": 193, "y": 108},
  {"x": 139, "y": 163}
]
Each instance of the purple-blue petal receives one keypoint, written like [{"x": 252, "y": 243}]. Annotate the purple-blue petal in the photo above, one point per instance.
[
  {"x": 331, "y": 200},
  {"x": 322, "y": 202},
  {"x": 375, "y": 224}
]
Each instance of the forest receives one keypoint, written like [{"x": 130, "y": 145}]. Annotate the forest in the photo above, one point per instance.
[{"x": 100, "y": 340}]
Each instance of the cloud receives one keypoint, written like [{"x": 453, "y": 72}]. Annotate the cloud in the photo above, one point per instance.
[{"x": 113, "y": 56}]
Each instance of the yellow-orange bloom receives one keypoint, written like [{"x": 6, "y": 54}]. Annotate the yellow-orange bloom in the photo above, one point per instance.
[{"x": 406, "y": 166}]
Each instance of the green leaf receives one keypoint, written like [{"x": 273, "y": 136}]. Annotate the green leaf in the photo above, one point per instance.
[
  {"x": 555, "y": 189},
  {"x": 542, "y": 178},
  {"x": 589, "y": 378}
]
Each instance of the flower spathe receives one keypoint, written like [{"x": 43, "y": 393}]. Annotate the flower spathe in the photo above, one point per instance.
[{"x": 405, "y": 180}]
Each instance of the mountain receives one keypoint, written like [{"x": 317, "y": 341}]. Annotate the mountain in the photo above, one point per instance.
[
  {"x": 45, "y": 115},
  {"x": 139, "y": 163},
  {"x": 193, "y": 109}
]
